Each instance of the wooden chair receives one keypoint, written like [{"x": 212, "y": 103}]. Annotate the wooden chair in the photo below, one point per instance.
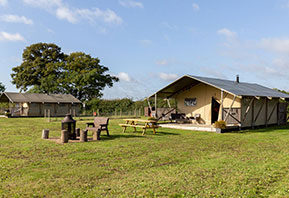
[{"x": 99, "y": 124}]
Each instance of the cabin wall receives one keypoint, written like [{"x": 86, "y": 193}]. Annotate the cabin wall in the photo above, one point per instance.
[
  {"x": 35, "y": 109},
  {"x": 39, "y": 109},
  {"x": 204, "y": 94},
  {"x": 259, "y": 106}
]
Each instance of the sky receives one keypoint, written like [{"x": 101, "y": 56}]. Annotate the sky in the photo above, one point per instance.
[{"x": 149, "y": 44}]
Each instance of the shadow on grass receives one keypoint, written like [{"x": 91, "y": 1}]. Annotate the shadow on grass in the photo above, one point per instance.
[
  {"x": 137, "y": 134},
  {"x": 112, "y": 137},
  {"x": 162, "y": 133},
  {"x": 264, "y": 129}
]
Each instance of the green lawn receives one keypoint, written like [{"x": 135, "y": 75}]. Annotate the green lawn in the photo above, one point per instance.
[{"x": 173, "y": 163}]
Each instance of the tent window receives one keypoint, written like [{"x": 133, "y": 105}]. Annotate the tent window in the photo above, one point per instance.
[{"x": 190, "y": 102}]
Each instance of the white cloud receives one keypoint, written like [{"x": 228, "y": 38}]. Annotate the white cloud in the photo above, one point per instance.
[
  {"x": 130, "y": 3},
  {"x": 10, "y": 18},
  {"x": 3, "y": 2},
  {"x": 66, "y": 13},
  {"x": 226, "y": 32},
  {"x": 196, "y": 7},
  {"x": 44, "y": 4},
  {"x": 63, "y": 11},
  {"x": 5, "y": 36},
  {"x": 168, "y": 77},
  {"x": 124, "y": 77},
  {"x": 275, "y": 44},
  {"x": 108, "y": 15},
  {"x": 146, "y": 42}
]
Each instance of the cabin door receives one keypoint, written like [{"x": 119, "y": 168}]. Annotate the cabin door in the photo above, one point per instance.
[{"x": 215, "y": 110}]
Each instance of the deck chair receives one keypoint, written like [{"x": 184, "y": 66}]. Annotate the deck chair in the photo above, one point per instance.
[{"x": 99, "y": 124}]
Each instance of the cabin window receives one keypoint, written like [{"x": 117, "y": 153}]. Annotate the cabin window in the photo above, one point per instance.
[{"x": 191, "y": 102}]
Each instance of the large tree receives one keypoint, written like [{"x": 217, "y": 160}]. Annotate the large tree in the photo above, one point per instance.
[
  {"x": 40, "y": 68},
  {"x": 84, "y": 77},
  {"x": 45, "y": 69},
  {"x": 2, "y": 88}
]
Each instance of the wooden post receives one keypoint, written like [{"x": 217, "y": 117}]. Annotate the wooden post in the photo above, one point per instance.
[
  {"x": 44, "y": 113},
  {"x": 134, "y": 112},
  {"x": 266, "y": 112},
  {"x": 169, "y": 104},
  {"x": 149, "y": 104},
  {"x": 253, "y": 114},
  {"x": 222, "y": 100},
  {"x": 230, "y": 108},
  {"x": 278, "y": 123},
  {"x": 45, "y": 133},
  {"x": 120, "y": 112},
  {"x": 83, "y": 136},
  {"x": 77, "y": 132},
  {"x": 156, "y": 111},
  {"x": 64, "y": 136},
  {"x": 48, "y": 115}
]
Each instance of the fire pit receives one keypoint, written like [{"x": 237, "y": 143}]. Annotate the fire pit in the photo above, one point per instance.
[{"x": 68, "y": 123}]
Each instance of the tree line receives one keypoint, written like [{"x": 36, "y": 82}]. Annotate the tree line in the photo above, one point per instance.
[{"x": 124, "y": 105}]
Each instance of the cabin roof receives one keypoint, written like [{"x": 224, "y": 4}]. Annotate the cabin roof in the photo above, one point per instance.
[
  {"x": 38, "y": 98},
  {"x": 232, "y": 87}
]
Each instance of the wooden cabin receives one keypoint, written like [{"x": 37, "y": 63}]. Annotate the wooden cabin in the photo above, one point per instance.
[
  {"x": 36, "y": 105},
  {"x": 237, "y": 103}
]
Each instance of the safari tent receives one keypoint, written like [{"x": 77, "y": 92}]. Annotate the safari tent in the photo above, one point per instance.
[
  {"x": 237, "y": 103},
  {"x": 34, "y": 105}
]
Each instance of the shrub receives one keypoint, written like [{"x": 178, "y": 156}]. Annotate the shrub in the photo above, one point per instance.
[{"x": 220, "y": 124}]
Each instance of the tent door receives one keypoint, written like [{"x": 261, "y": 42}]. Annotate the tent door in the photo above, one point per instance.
[{"x": 215, "y": 110}]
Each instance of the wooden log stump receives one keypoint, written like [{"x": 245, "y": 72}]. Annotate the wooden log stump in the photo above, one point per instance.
[
  {"x": 96, "y": 135},
  {"x": 83, "y": 136},
  {"x": 77, "y": 132},
  {"x": 45, "y": 133},
  {"x": 64, "y": 136}
]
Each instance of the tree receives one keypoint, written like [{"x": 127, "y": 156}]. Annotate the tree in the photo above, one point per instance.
[
  {"x": 45, "y": 69},
  {"x": 2, "y": 88},
  {"x": 84, "y": 77},
  {"x": 40, "y": 68}
]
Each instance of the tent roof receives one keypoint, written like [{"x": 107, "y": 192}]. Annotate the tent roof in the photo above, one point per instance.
[
  {"x": 232, "y": 87},
  {"x": 41, "y": 98}
]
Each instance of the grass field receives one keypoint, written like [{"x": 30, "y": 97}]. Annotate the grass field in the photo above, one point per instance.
[{"x": 173, "y": 163}]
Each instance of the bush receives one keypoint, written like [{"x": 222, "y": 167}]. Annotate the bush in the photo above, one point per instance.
[{"x": 220, "y": 124}]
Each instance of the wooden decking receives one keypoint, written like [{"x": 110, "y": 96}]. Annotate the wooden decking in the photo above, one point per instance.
[
  {"x": 191, "y": 127},
  {"x": 194, "y": 127}
]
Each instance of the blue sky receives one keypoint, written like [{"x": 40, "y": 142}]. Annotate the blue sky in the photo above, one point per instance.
[{"x": 149, "y": 43}]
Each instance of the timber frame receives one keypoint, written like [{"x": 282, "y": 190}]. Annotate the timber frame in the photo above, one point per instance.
[{"x": 240, "y": 104}]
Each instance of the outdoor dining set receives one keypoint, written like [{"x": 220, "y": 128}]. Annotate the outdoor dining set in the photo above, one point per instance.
[{"x": 70, "y": 132}]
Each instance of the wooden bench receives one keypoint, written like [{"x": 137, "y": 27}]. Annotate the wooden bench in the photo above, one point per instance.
[
  {"x": 99, "y": 124},
  {"x": 138, "y": 123}
]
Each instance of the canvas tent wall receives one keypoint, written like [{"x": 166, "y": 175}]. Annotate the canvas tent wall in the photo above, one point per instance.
[
  {"x": 238, "y": 103},
  {"x": 31, "y": 104}
]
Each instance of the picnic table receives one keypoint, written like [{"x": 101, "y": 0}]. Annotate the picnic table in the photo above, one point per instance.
[{"x": 139, "y": 123}]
